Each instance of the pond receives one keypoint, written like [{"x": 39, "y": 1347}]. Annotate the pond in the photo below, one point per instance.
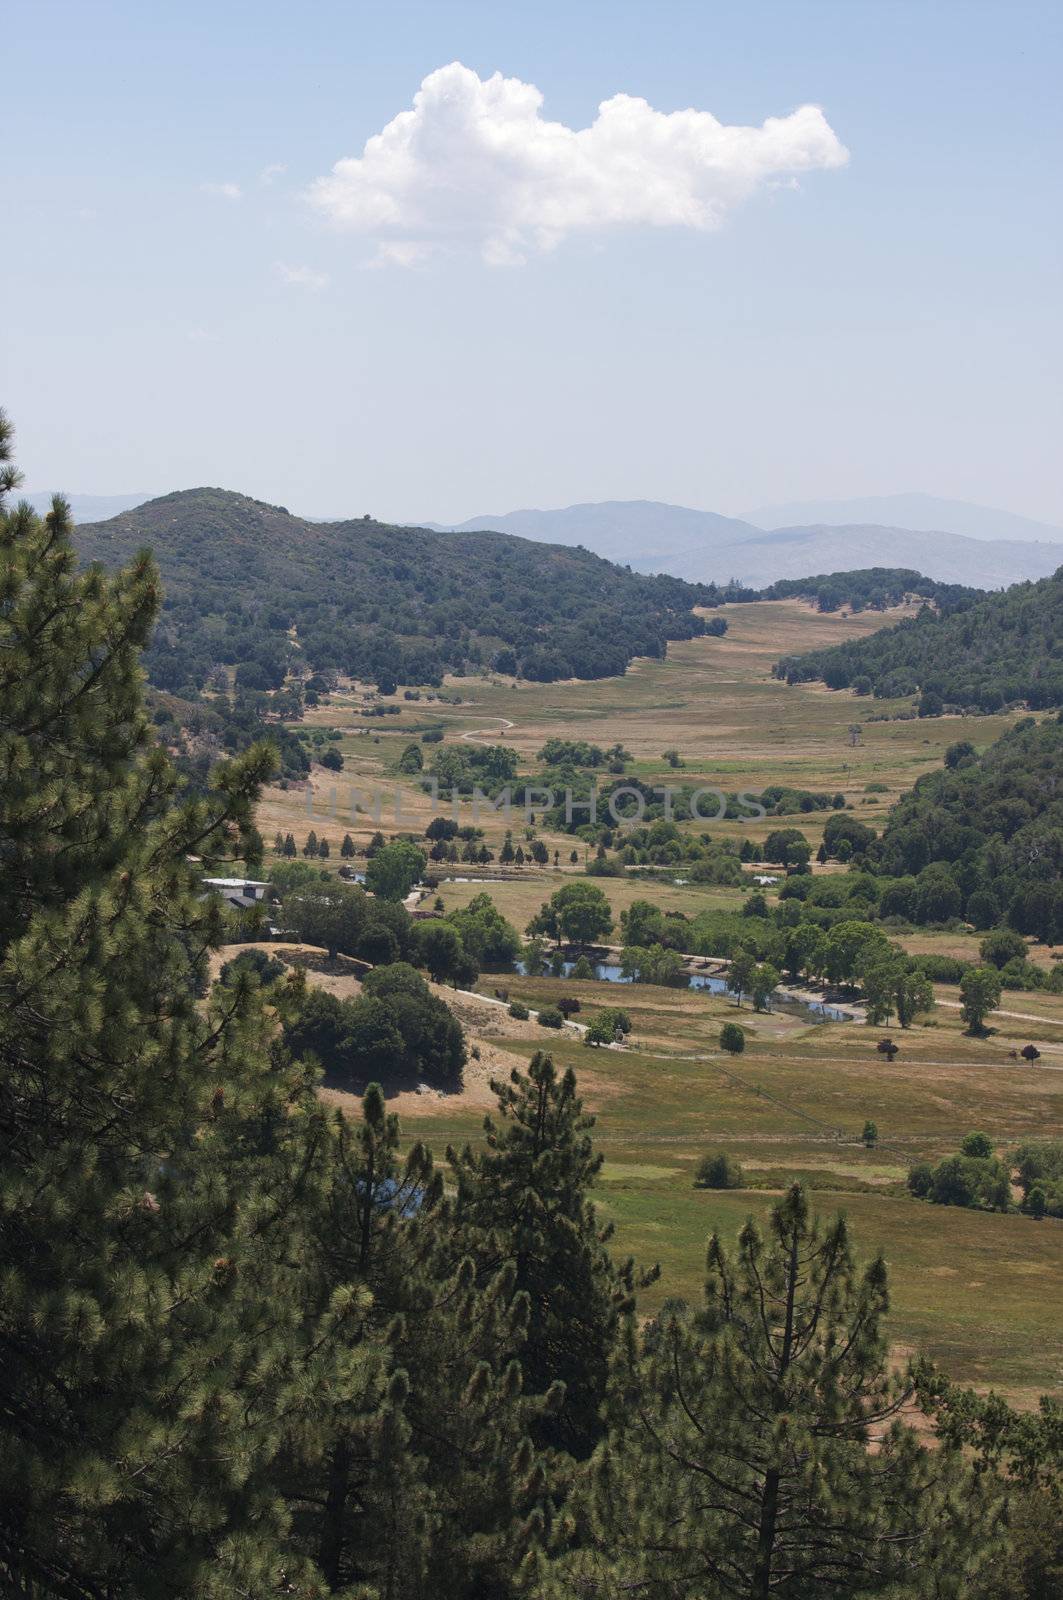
[{"x": 808, "y": 1010}]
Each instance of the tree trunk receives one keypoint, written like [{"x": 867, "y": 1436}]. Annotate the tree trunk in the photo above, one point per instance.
[
  {"x": 331, "y": 1549},
  {"x": 760, "y": 1588}
]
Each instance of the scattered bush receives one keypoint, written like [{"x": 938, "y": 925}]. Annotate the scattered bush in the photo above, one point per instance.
[
  {"x": 732, "y": 1038},
  {"x": 718, "y": 1171}
]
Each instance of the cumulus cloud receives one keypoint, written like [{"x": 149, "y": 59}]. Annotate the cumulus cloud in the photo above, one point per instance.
[
  {"x": 302, "y": 277},
  {"x": 224, "y": 191},
  {"x": 475, "y": 164}
]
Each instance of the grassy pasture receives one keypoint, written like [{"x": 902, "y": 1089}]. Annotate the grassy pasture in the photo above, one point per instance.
[
  {"x": 983, "y": 1294},
  {"x": 713, "y": 700},
  {"x": 979, "y": 1293}
]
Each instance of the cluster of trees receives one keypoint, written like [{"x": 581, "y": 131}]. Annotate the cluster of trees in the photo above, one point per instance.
[
  {"x": 345, "y": 920},
  {"x": 251, "y": 1349},
  {"x": 384, "y": 604},
  {"x": 376, "y": 928},
  {"x": 577, "y": 913},
  {"x": 661, "y": 847},
  {"x": 757, "y": 979},
  {"x": 785, "y": 847},
  {"x": 782, "y": 800},
  {"x": 977, "y": 842},
  {"x": 492, "y": 942},
  {"x": 1039, "y": 1164},
  {"x": 654, "y": 964},
  {"x": 633, "y": 803},
  {"x": 578, "y": 753},
  {"x": 461, "y": 768},
  {"x": 974, "y": 1177},
  {"x": 873, "y": 589},
  {"x": 395, "y": 1031},
  {"x": 981, "y": 655},
  {"x": 761, "y": 944},
  {"x": 199, "y": 730}
]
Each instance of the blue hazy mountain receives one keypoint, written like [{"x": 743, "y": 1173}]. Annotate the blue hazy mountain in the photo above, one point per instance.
[
  {"x": 918, "y": 512},
  {"x": 702, "y": 546}
]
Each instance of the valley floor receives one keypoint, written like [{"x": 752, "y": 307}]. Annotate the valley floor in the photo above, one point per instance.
[{"x": 981, "y": 1293}]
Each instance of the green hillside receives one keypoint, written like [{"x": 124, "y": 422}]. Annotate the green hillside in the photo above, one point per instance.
[
  {"x": 988, "y": 830},
  {"x": 380, "y": 601},
  {"x": 872, "y": 588},
  {"x": 1006, "y": 649}
]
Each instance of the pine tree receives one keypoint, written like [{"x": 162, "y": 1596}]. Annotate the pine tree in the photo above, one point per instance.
[
  {"x": 347, "y": 847},
  {"x": 439, "y": 1494},
  {"x": 310, "y": 847},
  {"x": 528, "y": 1192},
  {"x": 156, "y": 1353},
  {"x": 755, "y": 1448},
  {"x": 290, "y": 848}
]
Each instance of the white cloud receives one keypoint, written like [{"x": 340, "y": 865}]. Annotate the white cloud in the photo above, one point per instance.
[
  {"x": 302, "y": 277},
  {"x": 276, "y": 169},
  {"x": 475, "y": 164},
  {"x": 225, "y": 191}
]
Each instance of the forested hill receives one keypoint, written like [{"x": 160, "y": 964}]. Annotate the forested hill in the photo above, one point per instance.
[
  {"x": 996, "y": 821},
  {"x": 244, "y": 581},
  {"x": 1006, "y": 648},
  {"x": 872, "y": 588}
]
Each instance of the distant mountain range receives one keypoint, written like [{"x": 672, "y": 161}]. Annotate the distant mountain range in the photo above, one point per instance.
[
  {"x": 948, "y": 557},
  {"x": 645, "y": 534},
  {"x": 948, "y": 540},
  {"x": 913, "y": 511},
  {"x": 704, "y": 547}
]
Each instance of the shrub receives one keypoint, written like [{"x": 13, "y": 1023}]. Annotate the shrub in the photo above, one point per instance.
[
  {"x": 942, "y": 969},
  {"x": 1001, "y": 947},
  {"x": 550, "y": 1017},
  {"x": 718, "y": 1171},
  {"x": 732, "y": 1038},
  {"x": 921, "y": 1179},
  {"x": 518, "y": 1010},
  {"x": 265, "y": 968},
  {"x": 607, "y": 1025}
]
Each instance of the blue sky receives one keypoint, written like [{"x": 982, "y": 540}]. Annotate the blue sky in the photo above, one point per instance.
[{"x": 888, "y": 324}]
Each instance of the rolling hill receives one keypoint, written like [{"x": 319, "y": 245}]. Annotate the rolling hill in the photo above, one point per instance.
[{"x": 251, "y": 584}]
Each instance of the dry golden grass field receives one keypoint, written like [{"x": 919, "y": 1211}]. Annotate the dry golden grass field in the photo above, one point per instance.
[{"x": 713, "y": 700}]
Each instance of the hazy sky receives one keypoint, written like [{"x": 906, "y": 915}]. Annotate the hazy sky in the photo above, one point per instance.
[{"x": 707, "y": 291}]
